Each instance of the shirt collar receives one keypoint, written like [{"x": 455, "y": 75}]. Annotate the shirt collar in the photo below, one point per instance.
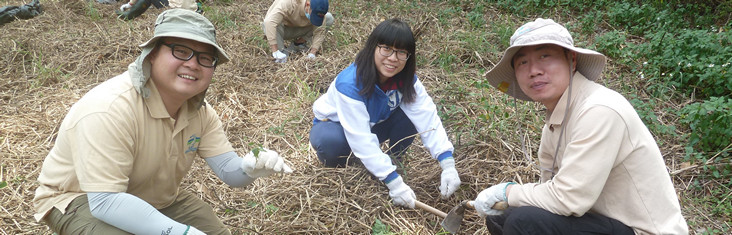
[
  {"x": 579, "y": 85},
  {"x": 156, "y": 107}
]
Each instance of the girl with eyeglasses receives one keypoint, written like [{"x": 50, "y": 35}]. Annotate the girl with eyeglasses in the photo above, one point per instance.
[{"x": 379, "y": 98}]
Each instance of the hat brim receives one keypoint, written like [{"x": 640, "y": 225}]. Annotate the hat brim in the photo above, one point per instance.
[
  {"x": 590, "y": 63},
  {"x": 223, "y": 58}
]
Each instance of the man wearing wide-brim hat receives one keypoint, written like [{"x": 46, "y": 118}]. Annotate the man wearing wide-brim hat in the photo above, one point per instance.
[
  {"x": 121, "y": 153},
  {"x": 601, "y": 170}
]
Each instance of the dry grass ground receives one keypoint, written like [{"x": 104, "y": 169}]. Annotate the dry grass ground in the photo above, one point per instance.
[{"x": 50, "y": 61}]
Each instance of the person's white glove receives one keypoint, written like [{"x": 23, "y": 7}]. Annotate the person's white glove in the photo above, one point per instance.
[
  {"x": 267, "y": 163},
  {"x": 193, "y": 231},
  {"x": 125, "y": 6},
  {"x": 401, "y": 194},
  {"x": 279, "y": 56},
  {"x": 489, "y": 197},
  {"x": 449, "y": 179},
  {"x": 328, "y": 19},
  {"x": 311, "y": 56}
]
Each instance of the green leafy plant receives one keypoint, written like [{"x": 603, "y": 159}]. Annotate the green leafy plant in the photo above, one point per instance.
[
  {"x": 256, "y": 148},
  {"x": 379, "y": 228},
  {"x": 611, "y": 43},
  {"x": 270, "y": 209},
  {"x": 645, "y": 109},
  {"x": 92, "y": 11},
  {"x": 711, "y": 131}
]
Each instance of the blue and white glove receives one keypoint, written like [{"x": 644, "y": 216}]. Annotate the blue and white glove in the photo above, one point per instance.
[
  {"x": 265, "y": 164},
  {"x": 401, "y": 194},
  {"x": 489, "y": 197},
  {"x": 449, "y": 179},
  {"x": 279, "y": 56},
  {"x": 193, "y": 231}
]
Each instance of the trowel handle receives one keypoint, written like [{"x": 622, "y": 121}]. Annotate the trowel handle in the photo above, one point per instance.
[
  {"x": 502, "y": 205},
  {"x": 430, "y": 209}
]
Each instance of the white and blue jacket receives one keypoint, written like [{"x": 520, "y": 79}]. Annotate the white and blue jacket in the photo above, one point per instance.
[{"x": 357, "y": 114}]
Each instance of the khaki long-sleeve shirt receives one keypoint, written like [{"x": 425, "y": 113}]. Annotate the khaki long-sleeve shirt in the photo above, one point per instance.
[
  {"x": 607, "y": 163},
  {"x": 290, "y": 13}
]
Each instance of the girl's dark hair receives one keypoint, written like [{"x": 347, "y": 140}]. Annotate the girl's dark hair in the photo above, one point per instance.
[{"x": 397, "y": 34}]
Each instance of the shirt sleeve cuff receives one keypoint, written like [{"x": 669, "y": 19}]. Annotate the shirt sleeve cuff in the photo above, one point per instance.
[
  {"x": 392, "y": 176},
  {"x": 444, "y": 156}
]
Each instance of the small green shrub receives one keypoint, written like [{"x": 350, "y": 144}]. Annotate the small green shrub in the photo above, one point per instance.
[
  {"x": 380, "y": 228},
  {"x": 645, "y": 110},
  {"x": 710, "y": 122},
  {"x": 611, "y": 43},
  {"x": 692, "y": 61}
]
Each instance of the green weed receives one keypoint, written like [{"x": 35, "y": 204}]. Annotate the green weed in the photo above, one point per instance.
[
  {"x": 710, "y": 122},
  {"x": 45, "y": 75},
  {"x": 379, "y": 228},
  {"x": 220, "y": 18},
  {"x": 270, "y": 209},
  {"x": 92, "y": 11}
]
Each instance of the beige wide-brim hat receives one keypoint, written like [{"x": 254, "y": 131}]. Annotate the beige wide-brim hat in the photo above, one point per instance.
[
  {"x": 541, "y": 31},
  {"x": 178, "y": 23},
  {"x": 187, "y": 24}
]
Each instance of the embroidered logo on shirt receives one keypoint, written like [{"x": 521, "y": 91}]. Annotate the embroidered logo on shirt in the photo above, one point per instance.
[
  {"x": 193, "y": 142},
  {"x": 394, "y": 99}
]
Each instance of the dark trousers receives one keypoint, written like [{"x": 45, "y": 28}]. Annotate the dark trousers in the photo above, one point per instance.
[
  {"x": 534, "y": 220},
  {"x": 331, "y": 146}
]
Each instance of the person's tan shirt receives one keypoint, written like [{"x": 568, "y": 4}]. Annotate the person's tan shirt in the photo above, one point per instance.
[
  {"x": 185, "y": 4},
  {"x": 113, "y": 140},
  {"x": 290, "y": 13},
  {"x": 608, "y": 163}
]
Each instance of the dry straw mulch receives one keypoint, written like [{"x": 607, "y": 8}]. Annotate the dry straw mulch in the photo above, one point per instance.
[{"x": 50, "y": 61}]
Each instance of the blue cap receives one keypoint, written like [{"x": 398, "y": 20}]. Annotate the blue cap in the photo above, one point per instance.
[{"x": 318, "y": 8}]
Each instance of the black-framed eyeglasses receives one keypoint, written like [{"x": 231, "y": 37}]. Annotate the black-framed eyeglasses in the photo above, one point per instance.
[
  {"x": 387, "y": 51},
  {"x": 185, "y": 53}
]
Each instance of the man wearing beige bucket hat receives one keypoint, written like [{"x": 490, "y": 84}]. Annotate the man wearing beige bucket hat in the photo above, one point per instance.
[
  {"x": 601, "y": 170},
  {"x": 123, "y": 149}
]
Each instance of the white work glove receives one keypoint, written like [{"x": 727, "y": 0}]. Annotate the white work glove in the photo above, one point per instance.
[
  {"x": 279, "y": 56},
  {"x": 193, "y": 231},
  {"x": 401, "y": 194},
  {"x": 267, "y": 163},
  {"x": 449, "y": 179},
  {"x": 328, "y": 19},
  {"x": 125, "y": 6},
  {"x": 489, "y": 197},
  {"x": 311, "y": 56}
]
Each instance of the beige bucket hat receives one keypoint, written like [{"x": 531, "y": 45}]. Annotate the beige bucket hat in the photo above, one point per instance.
[
  {"x": 541, "y": 31},
  {"x": 178, "y": 23}
]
